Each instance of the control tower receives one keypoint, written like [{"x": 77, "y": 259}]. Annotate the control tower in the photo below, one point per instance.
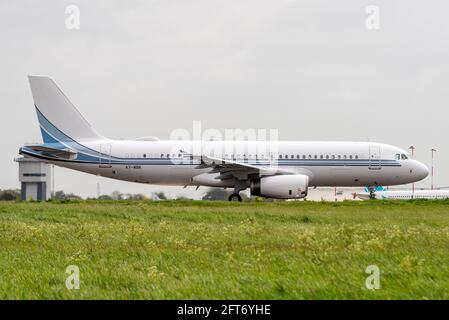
[{"x": 35, "y": 178}]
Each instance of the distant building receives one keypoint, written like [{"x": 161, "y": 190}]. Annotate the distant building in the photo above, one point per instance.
[{"x": 35, "y": 178}]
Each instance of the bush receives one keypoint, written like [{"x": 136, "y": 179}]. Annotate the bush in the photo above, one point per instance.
[{"x": 9, "y": 195}]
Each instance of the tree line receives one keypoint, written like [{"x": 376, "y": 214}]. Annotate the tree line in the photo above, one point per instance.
[{"x": 213, "y": 194}]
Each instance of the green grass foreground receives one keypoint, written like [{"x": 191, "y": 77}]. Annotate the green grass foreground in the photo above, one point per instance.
[{"x": 206, "y": 250}]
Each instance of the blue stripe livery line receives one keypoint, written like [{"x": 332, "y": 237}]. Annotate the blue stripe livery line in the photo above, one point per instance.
[{"x": 55, "y": 138}]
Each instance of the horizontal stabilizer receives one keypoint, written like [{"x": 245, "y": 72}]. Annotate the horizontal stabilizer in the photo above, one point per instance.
[{"x": 59, "y": 153}]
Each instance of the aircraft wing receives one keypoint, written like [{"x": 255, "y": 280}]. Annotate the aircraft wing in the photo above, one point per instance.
[{"x": 232, "y": 169}]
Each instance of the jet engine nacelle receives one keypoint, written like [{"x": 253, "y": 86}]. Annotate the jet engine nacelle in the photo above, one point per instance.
[{"x": 292, "y": 186}]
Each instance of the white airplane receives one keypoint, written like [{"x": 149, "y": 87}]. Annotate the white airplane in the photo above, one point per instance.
[
  {"x": 403, "y": 194},
  {"x": 285, "y": 171}
]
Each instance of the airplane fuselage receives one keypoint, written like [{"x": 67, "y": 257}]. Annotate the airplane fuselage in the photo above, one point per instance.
[
  {"x": 172, "y": 163},
  {"x": 405, "y": 194}
]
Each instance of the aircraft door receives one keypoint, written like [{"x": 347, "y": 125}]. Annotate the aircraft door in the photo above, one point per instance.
[
  {"x": 104, "y": 156},
  {"x": 374, "y": 158}
]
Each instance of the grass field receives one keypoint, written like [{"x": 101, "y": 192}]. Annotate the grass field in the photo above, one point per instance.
[{"x": 196, "y": 250}]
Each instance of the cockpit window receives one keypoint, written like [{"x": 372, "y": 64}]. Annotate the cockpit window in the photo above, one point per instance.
[{"x": 400, "y": 156}]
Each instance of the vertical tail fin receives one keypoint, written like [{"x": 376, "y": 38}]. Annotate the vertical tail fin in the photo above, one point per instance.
[{"x": 58, "y": 118}]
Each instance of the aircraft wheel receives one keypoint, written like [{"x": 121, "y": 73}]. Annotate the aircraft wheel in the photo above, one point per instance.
[{"x": 235, "y": 197}]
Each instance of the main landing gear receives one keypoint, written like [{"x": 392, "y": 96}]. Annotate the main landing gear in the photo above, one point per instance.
[
  {"x": 235, "y": 197},
  {"x": 238, "y": 186}
]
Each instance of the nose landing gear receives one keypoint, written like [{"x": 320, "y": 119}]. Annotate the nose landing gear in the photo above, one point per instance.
[{"x": 372, "y": 194}]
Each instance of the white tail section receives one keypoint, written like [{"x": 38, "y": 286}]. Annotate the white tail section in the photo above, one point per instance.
[{"x": 57, "y": 115}]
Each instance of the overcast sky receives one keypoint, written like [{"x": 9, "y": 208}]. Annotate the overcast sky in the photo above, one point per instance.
[{"x": 311, "y": 69}]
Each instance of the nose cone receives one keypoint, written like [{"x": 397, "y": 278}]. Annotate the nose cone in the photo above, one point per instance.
[{"x": 420, "y": 170}]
